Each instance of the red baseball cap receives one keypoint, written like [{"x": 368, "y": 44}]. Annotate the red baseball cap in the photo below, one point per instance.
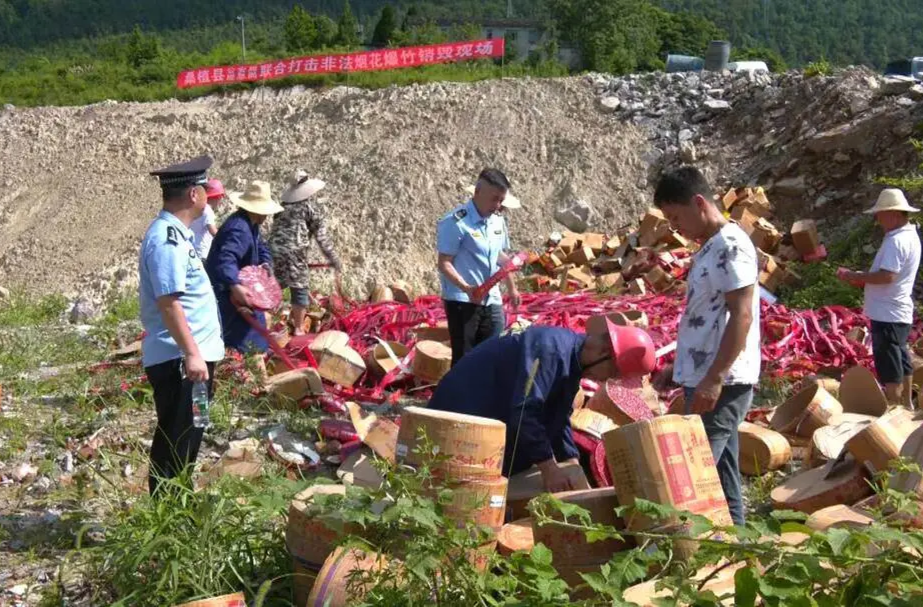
[
  {"x": 214, "y": 189},
  {"x": 632, "y": 350}
]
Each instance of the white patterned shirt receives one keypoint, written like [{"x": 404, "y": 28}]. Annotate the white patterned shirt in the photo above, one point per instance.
[{"x": 726, "y": 262}]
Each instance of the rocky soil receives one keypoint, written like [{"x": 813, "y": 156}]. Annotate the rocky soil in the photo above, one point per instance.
[{"x": 76, "y": 199}]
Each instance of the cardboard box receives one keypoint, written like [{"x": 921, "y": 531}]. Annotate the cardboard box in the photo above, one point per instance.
[
  {"x": 612, "y": 245},
  {"x": 528, "y": 484},
  {"x": 611, "y": 282},
  {"x": 621, "y": 404},
  {"x": 637, "y": 287},
  {"x": 787, "y": 252},
  {"x": 473, "y": 445},
  {"x": 571, "y": 545},
  {"x": 569, "y": 242},
  {"x": 675, "y": 240},
  {"x": 595, "y": 242},
  {"x": 581, "y": 256},
  {"x": 744, "y": 218},
  {"x": 666, "y": 460},
  {"x": 659, "y": 280},
  {"x": 660, "y": 232},
  {"x": 805, "y": 237},
  {"x": 592, "y": 422},
  {"x": 624, "y": 318},
  {"x": 577, "y": 278},
  {"x": 607, "y": 265},
  {"x": 765, "y": 236},
  {"x": 651, "y": 220},
  {"x": 295, "y": 385},
  {"x": 882, "y": 440},
  {"x": 729, "y": 199}
]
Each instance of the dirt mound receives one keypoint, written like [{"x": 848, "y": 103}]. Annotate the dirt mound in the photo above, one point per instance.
[{"x": 76, "y": 198}]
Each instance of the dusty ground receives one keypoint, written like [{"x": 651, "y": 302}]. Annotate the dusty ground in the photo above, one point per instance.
[{"x": 76, "y": 197}]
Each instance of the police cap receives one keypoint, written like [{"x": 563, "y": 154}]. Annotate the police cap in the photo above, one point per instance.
[{"x": 185, "y": 174}]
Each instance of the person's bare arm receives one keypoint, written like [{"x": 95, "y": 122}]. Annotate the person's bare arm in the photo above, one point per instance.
[
  {"x": 448, "y": 270},
  {"x": 733, "y": 342},
  {"x": 175, "y": 320},
  {"x": 212, "y": 229},
  {"x": 881, "y": 277}
]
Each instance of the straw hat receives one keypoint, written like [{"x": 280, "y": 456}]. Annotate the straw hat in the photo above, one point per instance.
[
  {"x": 510, "y": 202},
  {"x": 301, "y": 188},
  {"x": 892, "y": 199},
  {"x": 257, "y": 199}
]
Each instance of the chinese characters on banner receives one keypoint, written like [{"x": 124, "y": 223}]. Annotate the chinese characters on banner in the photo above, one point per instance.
[{"x": 366, "y": 61}]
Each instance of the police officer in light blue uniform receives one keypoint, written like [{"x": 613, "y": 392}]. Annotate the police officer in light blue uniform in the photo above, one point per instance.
[
  {"x": 180, "y": 317},
  {"x": 472, "y": 241}
]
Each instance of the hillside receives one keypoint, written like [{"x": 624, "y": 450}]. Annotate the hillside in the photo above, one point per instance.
[{"x": 842, "y": 31}]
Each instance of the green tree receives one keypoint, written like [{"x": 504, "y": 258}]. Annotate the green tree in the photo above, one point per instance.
[
  {"x": 385, "y": 28},
  {"x": 142, "y": 49},
  {"x": 685, "y": 33},
  {"x": 617, "y": 36},
  {"x": 346, "y": 28},
  {"x": 326, "y": 31},
  {"x": 299, "y": 31},
  {"x": 510, "y": 54}
]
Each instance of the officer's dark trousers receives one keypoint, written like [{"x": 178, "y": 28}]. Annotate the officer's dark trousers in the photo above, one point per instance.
[
  {"x": 470, "y": 324},
  {"x": 176, "y": 441}
]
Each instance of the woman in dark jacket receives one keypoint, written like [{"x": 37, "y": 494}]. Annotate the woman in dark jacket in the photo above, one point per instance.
[{"x": 237, "y": 245}]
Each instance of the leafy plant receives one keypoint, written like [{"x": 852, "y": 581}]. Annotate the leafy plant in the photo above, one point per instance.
[
  {"x": 191, "y": 544},
  {"x": 819, "y": 287},
  {"x": 818, "y": 68}
]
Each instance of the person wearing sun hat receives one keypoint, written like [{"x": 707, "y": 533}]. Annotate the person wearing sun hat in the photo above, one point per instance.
[
  {"x": 292, "y": 232},
  {"x": 237, "y": 245},
  {"x": 179, "y": 313},
  {"x": 490, "y": 381},
  {"x": 205, "y": 227},
  {"x": 888, "y": 289}
]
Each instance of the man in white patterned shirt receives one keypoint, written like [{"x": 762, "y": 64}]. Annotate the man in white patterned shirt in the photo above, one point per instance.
[{"x": 718, "y": 347}]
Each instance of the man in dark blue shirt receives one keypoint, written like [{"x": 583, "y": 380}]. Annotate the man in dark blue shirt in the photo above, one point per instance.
[
  {"x": 237, "y": 245},
  {"x": 491, "y": 381}
]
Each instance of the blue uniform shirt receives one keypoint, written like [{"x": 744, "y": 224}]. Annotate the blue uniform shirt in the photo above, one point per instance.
[
  {"x": 490, "y": 382},
  {"x": 237, "y": 244},
  {"x": 475, "y": 243},
  {"x": 168, "y": 265}
]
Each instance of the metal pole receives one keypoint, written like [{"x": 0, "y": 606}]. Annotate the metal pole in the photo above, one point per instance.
[{"x": 243, "y": 37}]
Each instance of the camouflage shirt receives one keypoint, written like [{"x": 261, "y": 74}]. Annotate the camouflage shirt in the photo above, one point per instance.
[{"x": 292, "y": 232}]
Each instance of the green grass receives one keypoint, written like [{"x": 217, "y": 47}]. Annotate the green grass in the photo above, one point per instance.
[{"x": 23, "y": 310}]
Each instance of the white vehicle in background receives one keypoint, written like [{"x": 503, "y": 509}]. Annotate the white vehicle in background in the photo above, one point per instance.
[{"x": 748, "y": 66}]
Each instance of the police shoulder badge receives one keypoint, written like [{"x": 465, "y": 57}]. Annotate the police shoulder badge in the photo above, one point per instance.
[
  {"x": 460, "y": 214},
  {"x": 172, "y": 235}
]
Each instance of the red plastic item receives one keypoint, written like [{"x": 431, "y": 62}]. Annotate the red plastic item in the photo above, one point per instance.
[
  {"x": 818, "y": 254},
  {"x": 265, "y": 292},
  {"x": 632, "y": 349},
  {"x": 338, "y": 429},
  {"x": 515, "y": 264}
]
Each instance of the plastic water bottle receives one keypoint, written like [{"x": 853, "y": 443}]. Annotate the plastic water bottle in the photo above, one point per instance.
[{"x": 200, "y": 405}]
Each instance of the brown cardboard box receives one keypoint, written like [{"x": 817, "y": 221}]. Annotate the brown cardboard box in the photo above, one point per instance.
[
  {"x": 658, "y": 279},
  {"x": 612, "y": 245},
  {"x": 758, "y": 205},
  {"x": 651, "y": 220},
  {"x": 338, "y": 364},
  {"x": 608, "y": 265},
  {"x": 911, "y": 482},
  {"x": 577, "y": 278},
  {"x": 295, "y": 385},
  {"x": 882, "y": 440},
  {"x": 729, "y": 199},
  {"x": 745, "y": 218},
  {"x": 624, "y": 318},
  {"x": 636, "y": 287},
  {"x": 569, "y": 242},
  {"x": 571, "y": 545},
  {"x": 528, "y": 484},
  {"x": 661, "y": 232},
  {"x": 610, "y": 282},
  {"x": 591, "y": 422},
  {"x": 675, "y": 240},
  {"x": 761, "y": 449},
  {"x": 805, "y": 237},
  {"x": 666, "y": 460},
  {"x": 581, "y": 256},
  {"x": 473, "y": 445},
  {"x": 765, "y": 236},
  {"x": 596, "y": 242},
  {"x": 431, "y": 361},
  {"x": 788, "y": 253}
]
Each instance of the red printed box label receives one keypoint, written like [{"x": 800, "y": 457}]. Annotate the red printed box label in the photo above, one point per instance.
[{"x": 677, "y": 468}]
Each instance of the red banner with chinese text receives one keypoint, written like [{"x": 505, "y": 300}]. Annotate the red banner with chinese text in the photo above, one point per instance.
[{"x": 365, "y": 61}]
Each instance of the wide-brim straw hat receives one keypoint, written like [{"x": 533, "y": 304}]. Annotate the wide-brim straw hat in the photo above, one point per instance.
[
  {"x": 257, "y": 199},
  {"x": 301, "y": 188},
  {"x": 510, "y": 202},
  {"x": 892, "y": 199}
]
